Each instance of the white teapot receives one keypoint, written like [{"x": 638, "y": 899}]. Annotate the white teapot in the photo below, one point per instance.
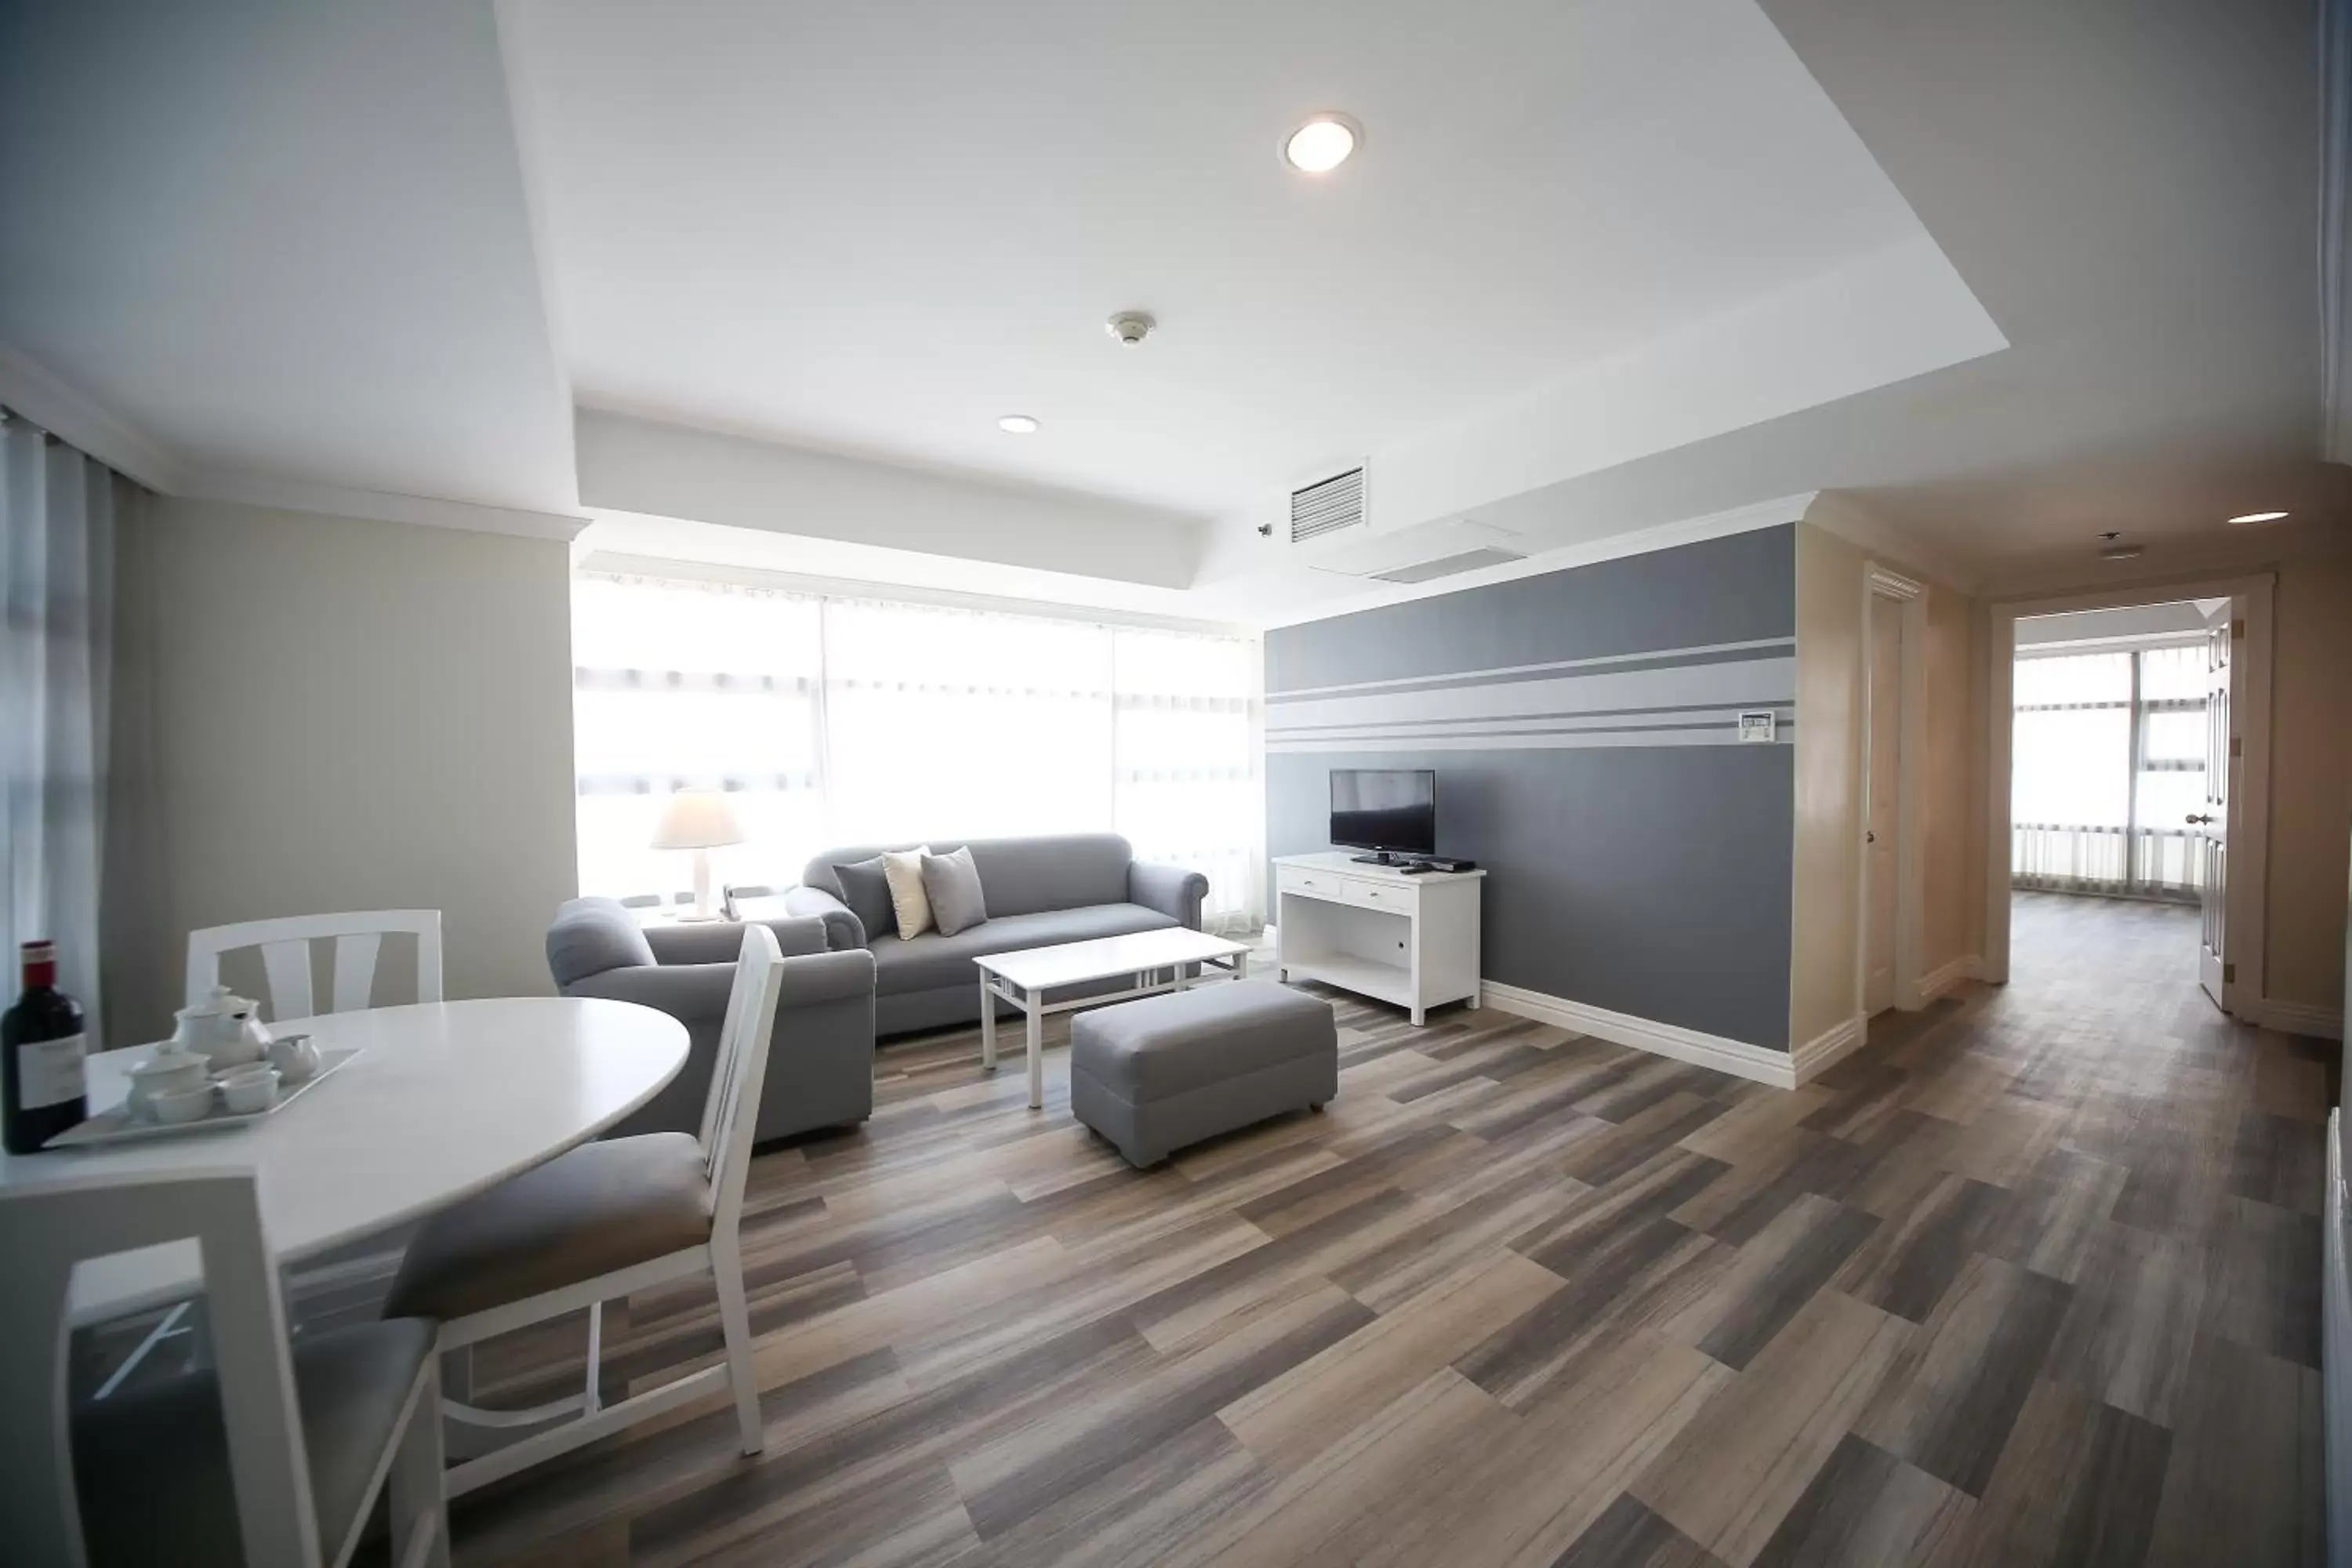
[{"x": 224, "y": 1028}]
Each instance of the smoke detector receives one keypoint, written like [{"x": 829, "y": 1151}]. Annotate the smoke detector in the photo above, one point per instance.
[{"x": 1130, "y": 327}]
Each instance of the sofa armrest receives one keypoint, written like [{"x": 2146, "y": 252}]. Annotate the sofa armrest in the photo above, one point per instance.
[
  {"x": 690, "y": 993},
  {"x": 843, "y": 929},
  {"x": 721, "y": 941},
  {"x": 1172, "y": 890},
  {"x": 816, "y": 978}
]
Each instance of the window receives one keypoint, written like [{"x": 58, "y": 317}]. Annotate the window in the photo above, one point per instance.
[
  {"x": 837, "y": 722},
  {"x": 2109, "y": 759}
]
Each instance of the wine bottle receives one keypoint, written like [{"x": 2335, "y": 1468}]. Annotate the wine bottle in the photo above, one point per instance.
[{"x": 42, "y": 1089}]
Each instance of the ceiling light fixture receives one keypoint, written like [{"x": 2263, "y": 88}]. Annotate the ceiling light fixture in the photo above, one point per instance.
[
  {"x": 2258, "y": 517},
  {"x": 1323, "y": 143},
  {"x": 1017, "y": 425}
]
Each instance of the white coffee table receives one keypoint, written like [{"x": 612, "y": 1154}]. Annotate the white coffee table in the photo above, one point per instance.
[{"x": 1150, "y": 961}]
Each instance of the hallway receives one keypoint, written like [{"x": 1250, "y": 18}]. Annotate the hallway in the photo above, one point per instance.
[{"x": 2061, "y": 941}]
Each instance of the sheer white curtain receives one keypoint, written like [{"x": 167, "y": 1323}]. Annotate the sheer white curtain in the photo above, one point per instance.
[
  {"x": 693, "y": 684},
  {"x": 838, "y": 721},
  {"x": 2109, "y": 756},
  {"x": 57, "y": 577}
]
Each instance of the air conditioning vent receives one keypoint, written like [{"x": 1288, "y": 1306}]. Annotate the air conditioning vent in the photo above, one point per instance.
[
  {"x": 1448, "y": 565},
  {"x": 1327, "y": 507}
]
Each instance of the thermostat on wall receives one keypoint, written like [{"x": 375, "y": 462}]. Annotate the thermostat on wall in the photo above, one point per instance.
[{"x": 1756, "y": 728}]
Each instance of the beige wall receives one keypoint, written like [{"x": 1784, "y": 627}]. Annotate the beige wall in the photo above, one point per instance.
[
  {"x": 1823, "y": 979},
  {"x": 342, "y": 714},
  {"x": 2311, "y": 783},
  {"x": 1825, "y": 858}
]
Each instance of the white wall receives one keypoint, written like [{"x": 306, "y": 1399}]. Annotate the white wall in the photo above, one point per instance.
[
  {"x": 342, "y": 714},
  {"x": 670, "y": 471}
]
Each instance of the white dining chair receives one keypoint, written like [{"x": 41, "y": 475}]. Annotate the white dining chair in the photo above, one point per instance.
[
  {"x": 284, "y": 945},
  {"x": 598, "y": 1223},
  {"x": 269, "y": 1456}
]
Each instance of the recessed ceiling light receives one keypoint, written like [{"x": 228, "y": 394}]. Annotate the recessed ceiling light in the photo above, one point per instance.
[
  {"x": 1322, "y": 144},
  {"x": 1017, "y": 425},
  {"x": 2259, "y": 517}
]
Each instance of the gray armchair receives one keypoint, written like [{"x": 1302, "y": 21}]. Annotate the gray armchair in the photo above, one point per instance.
[{"x": 821, "y": 1058}]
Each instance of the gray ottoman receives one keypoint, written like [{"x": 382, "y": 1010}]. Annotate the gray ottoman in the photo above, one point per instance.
[{"x": 1157, "y": 1074}]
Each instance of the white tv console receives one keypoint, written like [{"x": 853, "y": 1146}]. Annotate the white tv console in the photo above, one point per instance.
[{"x": 1412, "y": 941}]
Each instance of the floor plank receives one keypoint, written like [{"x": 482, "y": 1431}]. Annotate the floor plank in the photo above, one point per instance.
[{"x": 2030, "y": 1279}]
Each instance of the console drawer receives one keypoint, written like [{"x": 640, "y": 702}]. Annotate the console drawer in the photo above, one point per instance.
[
  {"x": 1312, "y": 884},
  {"x": 1398, "y": 898}
]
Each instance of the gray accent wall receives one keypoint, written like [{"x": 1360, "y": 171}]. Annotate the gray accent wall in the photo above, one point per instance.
[{"x": 1582, "y": 725}]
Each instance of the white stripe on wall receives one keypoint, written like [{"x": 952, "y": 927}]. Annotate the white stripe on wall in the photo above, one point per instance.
[
  {"x": 1597, "y": 661},
  {"x": 1547, "y": 741},
  {"x": 1740, "y": 683}
]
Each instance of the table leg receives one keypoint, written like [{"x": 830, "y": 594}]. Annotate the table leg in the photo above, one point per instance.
[
  {"x": 1240, "y": 966},
  {"x": 1034, "y": 1007},
  {"x": 987, "y": 1027}
]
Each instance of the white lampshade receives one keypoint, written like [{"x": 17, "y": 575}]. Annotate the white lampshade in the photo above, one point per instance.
[{"x": 698, "y": 819}]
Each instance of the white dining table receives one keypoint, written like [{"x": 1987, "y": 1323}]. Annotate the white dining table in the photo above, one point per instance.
[{"x": 445, "y": 1099}]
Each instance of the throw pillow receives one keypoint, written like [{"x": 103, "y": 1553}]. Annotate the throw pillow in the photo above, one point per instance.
[
  {"x": 904, "y": 871},
  {"x": 952, "y": 884},
  {"x": 866, "y": 892}
]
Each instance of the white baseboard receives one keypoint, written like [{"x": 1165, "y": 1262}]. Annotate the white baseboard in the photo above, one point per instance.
[
  {"x": 1737, "y": 1057},
  {"x": 1833, "y": 1045},
  {"x": 2295, "y": 1018},
  {"x": 1946, "y": 976}
]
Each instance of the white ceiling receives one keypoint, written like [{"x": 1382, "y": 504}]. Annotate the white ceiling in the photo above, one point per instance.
[
  {"x": 1997, "y": 275},
  {"x": 283, "y": 241},
  {"x": 875, "y": 229}
]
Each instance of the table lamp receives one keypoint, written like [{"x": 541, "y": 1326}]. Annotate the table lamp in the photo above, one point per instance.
[{"x": 700, "y": 820}]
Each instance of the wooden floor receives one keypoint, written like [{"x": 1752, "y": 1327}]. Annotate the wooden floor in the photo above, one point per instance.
[{"x": 2032, "y": 1279}]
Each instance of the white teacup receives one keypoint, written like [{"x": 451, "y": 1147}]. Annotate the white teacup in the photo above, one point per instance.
[
  {"x": 296, "y": 1058},
  {"x": 168, "y": 1070},
  {"x": 180, "y": 1105},
  {"x": 249, "y": 1090}
]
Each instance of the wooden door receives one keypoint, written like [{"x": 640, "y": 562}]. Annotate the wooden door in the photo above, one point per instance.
[
  {"x": 1883, "y": 825},
  {"x": 2212, "y": 820}
]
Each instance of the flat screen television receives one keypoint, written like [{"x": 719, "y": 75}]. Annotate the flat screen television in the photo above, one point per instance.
[{"x": 1390, "y": 810}]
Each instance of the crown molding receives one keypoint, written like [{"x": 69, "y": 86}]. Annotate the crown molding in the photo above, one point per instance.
[
  {"x": 1841, "y": 515},
  {"x": 46, "y": 400},
  {"x": 380, "y": 506}
]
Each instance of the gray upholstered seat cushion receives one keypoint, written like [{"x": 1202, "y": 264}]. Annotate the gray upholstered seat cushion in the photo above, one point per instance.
[
  {"x": 1162, "y": 1045},
  {"x": 599, "y": 1207},
  {"x": 932, "y": 960},
  {"x": 151, "y": 1465}
]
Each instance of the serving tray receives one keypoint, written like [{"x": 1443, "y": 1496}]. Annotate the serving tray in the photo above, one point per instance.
[{"x": 119, "y": 1126}]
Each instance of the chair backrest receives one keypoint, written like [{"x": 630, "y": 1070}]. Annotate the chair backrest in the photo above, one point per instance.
[
  {"x": 733, "y": 1107},
  {"x": 45, "y": 1230},
  {"x": 285, "y": 947}
]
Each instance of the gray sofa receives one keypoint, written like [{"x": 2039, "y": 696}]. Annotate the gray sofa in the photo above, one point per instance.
[
  {"x": 1040, "y": 891},
  {"x": 821, "y": 1057}
]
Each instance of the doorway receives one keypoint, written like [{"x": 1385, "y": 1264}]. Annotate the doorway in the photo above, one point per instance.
[{"x": 2131, "y": 750}]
